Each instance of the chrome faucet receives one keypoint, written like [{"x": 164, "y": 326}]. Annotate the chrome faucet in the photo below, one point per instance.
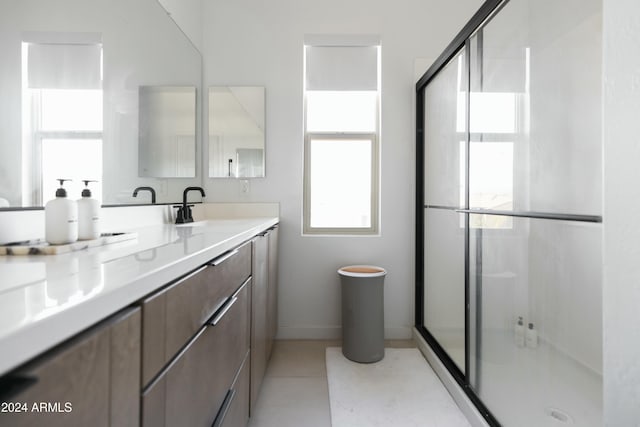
[
  {"x": 184, "y": 212},
  {"x": 149, "y": 189}
]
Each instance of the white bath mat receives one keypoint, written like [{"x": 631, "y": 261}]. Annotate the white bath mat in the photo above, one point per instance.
[{"x": 401, "y": 390}]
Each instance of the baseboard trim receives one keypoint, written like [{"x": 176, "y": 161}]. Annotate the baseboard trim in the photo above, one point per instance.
[
  {"x": 464, "y": 403},
  {"x": 334, "y": 333}
]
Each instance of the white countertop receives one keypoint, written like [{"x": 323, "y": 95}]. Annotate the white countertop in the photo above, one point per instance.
[{"x": 45, "y": 299}]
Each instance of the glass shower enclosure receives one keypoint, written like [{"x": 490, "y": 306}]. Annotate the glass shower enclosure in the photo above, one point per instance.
[{"x": 509, "y": 212}]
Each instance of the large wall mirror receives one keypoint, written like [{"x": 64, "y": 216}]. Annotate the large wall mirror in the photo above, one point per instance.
[
  {"x": 236, "y": 131},
  {"x": 70, "y": 80}
]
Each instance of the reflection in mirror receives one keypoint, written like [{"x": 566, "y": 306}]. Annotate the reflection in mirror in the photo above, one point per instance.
[
  {"x": 236, "y": 132},
  {"x": 62, "y": 113},
  {"x": 69, "y": 78},
  {"x": 167, "y": 132}
]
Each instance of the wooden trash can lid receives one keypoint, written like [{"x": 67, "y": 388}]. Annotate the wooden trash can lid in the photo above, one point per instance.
[{"x": 362, "y": 271}]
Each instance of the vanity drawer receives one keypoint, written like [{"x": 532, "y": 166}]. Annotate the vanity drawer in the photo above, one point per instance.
[
  {"x": 191, "y": 390},
  {"x": 171, "y": 317},
  {"x": 235, "y": 409}
]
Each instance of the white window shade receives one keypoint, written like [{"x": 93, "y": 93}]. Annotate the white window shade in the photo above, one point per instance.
[
  {"x": 342, "y": 68},
  {"x": 64, "y": 66}
]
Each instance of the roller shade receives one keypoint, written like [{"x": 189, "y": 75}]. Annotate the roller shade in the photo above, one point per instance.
[
  {"x": 341, "y": 68},
  {"x": 64, "y": 66}
]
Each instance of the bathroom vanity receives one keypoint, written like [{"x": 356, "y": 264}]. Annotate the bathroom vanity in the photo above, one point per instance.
[{"x": 172, "y": 329}]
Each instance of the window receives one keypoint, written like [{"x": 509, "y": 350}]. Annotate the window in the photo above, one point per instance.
[
  {"x": 62, "y": 115},
  {"x": 342, "y": 127},
  {"x": 496, "y": 121}
]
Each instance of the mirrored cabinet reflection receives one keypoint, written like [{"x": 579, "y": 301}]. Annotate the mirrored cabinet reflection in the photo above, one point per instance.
[
  {"x": 167, "y": 131},
  {"x": 236, "y": 132},
  {"x": 69, "y": 78}
]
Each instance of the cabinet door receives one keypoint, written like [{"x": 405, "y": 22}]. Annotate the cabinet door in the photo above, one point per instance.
[
  {"x": 124, "y": 367},
  {"x": 91, "y": 380},
  {"x": 259, "y": 314},
  {"x": 191, "y": 390},
  {"x": 272, "y": 297}
]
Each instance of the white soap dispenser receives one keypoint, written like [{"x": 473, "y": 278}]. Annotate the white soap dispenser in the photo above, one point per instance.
[
  {"x": 88, "y": 214},
  {"x": 532, "y": 336},
  {"x": 519, "y": 332},
  {"x": 61, "y": 218}
]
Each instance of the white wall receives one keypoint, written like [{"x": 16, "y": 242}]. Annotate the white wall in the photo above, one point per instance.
[
  {"x": 621, "y": 252},
  {"x": 188, "y": 15},
  {"x": 260, "y": 43}
]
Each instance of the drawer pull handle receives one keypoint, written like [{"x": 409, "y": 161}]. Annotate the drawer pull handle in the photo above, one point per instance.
[
  {"x": 223, "y": 311},
  {"x": 13, "y": 385},
  {"x": 224, "y": 257},
  {"x": 236, "y": 293},
  {"x": 224, "y": 408}
]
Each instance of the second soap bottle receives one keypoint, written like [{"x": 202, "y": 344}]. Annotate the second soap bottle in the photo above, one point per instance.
[{"x": 88, "y": 214}]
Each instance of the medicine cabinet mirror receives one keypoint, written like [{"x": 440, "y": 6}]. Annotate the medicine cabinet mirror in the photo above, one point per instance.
[
  {"x": 236, "y": 132},
  {"x": 78, "y": 118}
]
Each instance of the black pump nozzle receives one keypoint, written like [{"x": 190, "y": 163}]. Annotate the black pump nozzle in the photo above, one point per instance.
[
  {"x": 61, "y": 192},
  {"x": 86, "y": 192}
]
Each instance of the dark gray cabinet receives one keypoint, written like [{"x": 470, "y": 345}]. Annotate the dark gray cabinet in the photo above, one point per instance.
[
  {"x": 193, "y": 388},
  {"x": 172, "y": 316},
  {"x": 259, "y": 326},
  {"x": 196, "y": 338},
  {"x": 235, "y": 410},
  {"x": 92, "y": 379},
  {"x": 191, "y": 354},
  {"x": 272, "y": 290},
  {"x": 264, "y": 305}
]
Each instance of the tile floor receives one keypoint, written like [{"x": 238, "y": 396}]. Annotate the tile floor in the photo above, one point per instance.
[{"x": 295, "y": 392}]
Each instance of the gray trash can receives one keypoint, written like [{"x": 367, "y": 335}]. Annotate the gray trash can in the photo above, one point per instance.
[{"x": 362, "y": 312}]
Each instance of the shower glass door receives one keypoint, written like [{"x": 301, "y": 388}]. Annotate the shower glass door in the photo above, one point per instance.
[
  {"x": 444, "y": 194},
  {"x": 535, "y": 168},
  {"x": 509, "y": 223}
]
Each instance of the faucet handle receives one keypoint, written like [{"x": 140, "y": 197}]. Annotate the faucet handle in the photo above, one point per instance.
[
  {"x": 188, "y": 214},
  {"x": 180, "y": 217},
  {"x": 183, "y": 216}
]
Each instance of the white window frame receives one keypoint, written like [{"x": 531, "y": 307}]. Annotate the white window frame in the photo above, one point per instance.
[
  {"x": 374, "y": 178},
  {"x": 374, "y": 137}
]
